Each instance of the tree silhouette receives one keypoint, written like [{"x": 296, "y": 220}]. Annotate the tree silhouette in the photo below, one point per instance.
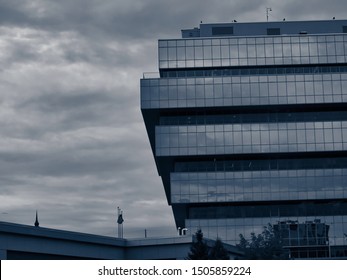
[
  {"x": 199, "y": 248},
  {"x": 201, "y": 251},
  {"x": 264, "y": 246},
  {"x": 218, "y": 252}
]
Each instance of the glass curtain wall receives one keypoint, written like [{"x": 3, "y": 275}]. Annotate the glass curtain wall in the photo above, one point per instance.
[{"x": 248, "y": 131}]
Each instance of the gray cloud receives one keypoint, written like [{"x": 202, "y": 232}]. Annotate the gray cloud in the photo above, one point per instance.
[{"x": 72, "y": 141}]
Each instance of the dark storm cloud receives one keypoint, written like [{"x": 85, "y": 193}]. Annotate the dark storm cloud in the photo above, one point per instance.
[
  {"x": 72, "y": 131},
  {"x": 135, "y": 20},
  {"x": 74, "y": 108},
  {"x": 13, "y": 12},
  {"x": 132, "y": 20},
  {"x": 312, "y": 9},
  {"x": 72, "y": 141}
]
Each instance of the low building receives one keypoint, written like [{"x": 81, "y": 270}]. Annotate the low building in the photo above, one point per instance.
[{"x": 23, "y": 242}]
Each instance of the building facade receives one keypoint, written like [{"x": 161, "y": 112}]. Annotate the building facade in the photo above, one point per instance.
[
  {"x": 248, "y": 127},
  {"x": 309, "y": 239},
  {"x": 23, "y": 242}
]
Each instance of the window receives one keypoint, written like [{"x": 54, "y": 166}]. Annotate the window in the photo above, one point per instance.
[
  {"x": 222, "y": 30},
  {"x": 273, "y": 31}
]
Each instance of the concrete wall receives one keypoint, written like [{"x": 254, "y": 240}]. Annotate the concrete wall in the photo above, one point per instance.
[
  {"x": 164, "y": 248},
  {"x": 21, "y": 241}
]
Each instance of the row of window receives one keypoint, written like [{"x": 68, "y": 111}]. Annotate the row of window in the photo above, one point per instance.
[
  {"x": 242, "y": 92},
  {"x": 254, "y": 118},
  {"x": 255, "y": 138},
  {"x": 246, "y": 212},
  {"x": 247, "y": 90},
  {"x": 216, "y": 175},
  {"x": 246, "y": 53},
  {"x": 226, "y": 62},
  {"x": 197, "y": 169},
  {"x": 253, "y": 51},
  {"x": 245, "y": 79},
  {"x": 247, "y": 71},
  {"x": 293, "y": 195},
  {"x": 254, "y": 128},
  {"x": 249, "y": 40},
  {"x": 248, "y": 149},
  {"x": 247, "y": 101},
  {"x": 230, "y": 229},
  {"x": 259, "y": 186}
]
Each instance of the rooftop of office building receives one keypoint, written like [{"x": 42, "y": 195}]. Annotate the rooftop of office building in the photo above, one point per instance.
[{"x": 266, "y": 28}]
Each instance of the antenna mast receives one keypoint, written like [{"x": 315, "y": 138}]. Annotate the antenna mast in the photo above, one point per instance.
[
  {"x": 120, "y": 221},
  {"x": 267, "y": 13},
  {"x": 36, "y": 220}
]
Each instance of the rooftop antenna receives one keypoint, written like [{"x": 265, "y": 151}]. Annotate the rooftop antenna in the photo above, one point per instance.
[
  {"x": 36, "y": 220},
  {"x": 267, "y": 13},
  {"x": 120, "y": 221}
]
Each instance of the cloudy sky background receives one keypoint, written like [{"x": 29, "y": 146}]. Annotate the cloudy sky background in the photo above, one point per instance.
[{"x": 72, "y": 140}]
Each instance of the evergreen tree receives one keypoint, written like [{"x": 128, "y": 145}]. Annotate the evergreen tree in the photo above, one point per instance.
[
  {"x": 199, "y": 249},
  {"x": 218, "y": 252}
]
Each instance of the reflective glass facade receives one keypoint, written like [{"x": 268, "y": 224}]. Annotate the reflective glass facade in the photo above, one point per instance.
[
  {"x": 253, "y": 51},
  {"x": 251, "y": 138},
  {"x": 252, "y": 130}
]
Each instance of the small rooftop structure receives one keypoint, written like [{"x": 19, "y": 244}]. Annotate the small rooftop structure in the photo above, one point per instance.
[{"x": 266, "y": 28}]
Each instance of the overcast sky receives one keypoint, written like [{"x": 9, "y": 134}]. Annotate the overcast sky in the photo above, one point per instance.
[{"x": 72, "y": 140}]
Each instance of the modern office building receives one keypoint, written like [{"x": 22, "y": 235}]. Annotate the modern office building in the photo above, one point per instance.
[{"x": 248, "y": 126}]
